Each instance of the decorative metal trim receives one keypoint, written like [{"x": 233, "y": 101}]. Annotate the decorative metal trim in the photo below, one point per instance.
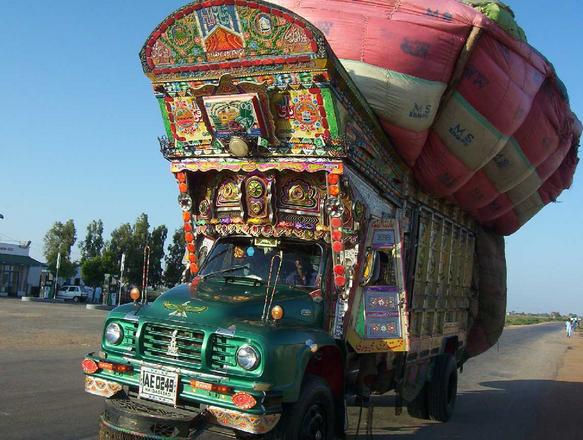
[{"x": 299, "y": 166}]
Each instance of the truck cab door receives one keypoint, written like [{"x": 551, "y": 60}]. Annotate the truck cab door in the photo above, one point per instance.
[{"x": 378, "y": 313}]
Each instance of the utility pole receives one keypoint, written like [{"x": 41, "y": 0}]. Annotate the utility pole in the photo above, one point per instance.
[
  {"x": 146, "y": 269},
  {"x": 57, "y": 275},
  {"x": 121, "y": 268}
]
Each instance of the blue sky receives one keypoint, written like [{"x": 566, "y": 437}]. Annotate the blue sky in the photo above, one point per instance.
[{"x": 80, "y": 125}]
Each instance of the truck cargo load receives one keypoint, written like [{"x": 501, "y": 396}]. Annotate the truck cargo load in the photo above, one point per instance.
[{"x": 478, "y": 114}]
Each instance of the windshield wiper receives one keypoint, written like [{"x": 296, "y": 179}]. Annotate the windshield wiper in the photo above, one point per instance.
[
  {"x": 300, "y": 286},
  {"x": 255, "y": 278},
  {"x": 217, "y": 272}
]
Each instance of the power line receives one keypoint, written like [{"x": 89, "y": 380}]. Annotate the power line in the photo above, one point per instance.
[{"x": 8, "y": 238}]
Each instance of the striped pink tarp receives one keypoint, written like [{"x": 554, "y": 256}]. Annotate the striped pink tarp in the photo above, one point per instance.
[{"x": 480, "y": 117}]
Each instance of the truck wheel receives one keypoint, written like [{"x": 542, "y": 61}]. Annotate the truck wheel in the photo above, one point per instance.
[
  {"x": 76, "y": 299},
  {"x": 417, "y": 408},
  {"x": 311, "y": 417},
  {"x": 442, "y": 388}
]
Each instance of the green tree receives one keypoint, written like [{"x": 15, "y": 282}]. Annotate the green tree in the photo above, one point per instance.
[
  {"x": 173, "y": 260},
  {"x": 135, "y": 254},
  {"x": 131, "y": 240},
  {"x": 60, "y": 238},
  {"x": 119, "y": 242},
  {"x": 93, "y": 243},
  {"x": 92, "y": 271},
  {"x": 157, "y": 239}
]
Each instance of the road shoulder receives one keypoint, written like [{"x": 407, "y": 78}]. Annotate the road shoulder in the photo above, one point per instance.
[
  {"x": 571, "y": 369},
  {"x": 560, "y": 411}
]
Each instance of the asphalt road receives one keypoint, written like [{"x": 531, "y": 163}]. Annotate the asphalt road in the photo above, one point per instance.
[
  {"x": 506, "y": 393},
  {"x": 41, "y": 384}
]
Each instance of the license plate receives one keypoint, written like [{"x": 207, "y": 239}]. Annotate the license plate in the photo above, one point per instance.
[{"x": 158, "y": 385}]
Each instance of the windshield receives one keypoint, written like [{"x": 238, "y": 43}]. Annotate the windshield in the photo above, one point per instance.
[{"x": 245, "y": 257}]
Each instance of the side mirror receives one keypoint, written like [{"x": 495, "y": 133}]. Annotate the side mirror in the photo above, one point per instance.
[{"x": 371, "y": 267}]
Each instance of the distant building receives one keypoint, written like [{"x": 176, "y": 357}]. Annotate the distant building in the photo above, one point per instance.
[{"x": 19, "y": 273}]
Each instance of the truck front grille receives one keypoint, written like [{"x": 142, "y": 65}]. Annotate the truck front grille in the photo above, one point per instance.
[
  {"x": 127, "y": 347},
  {"x": 174, "y": 345},
  {"x": 130, "y": 329},
  {"x": 224, "y": 351}
]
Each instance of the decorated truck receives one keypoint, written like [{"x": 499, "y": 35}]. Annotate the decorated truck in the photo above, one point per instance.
[{"x": 344, "y": 231}]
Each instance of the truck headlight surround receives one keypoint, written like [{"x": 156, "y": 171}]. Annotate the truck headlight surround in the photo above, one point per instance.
[
  {"x": 113, "y": 333},
  {"x": 247, "y": 357}
]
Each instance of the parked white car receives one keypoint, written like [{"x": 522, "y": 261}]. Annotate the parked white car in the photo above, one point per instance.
[{"x": 74, "y": 293}]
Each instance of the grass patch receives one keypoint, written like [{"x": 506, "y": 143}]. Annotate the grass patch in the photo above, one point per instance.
[{"x": 529, "y": 319}]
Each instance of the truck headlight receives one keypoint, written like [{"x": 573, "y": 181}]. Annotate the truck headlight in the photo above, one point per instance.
[
  {"x": 113, "y": 333},
  {"x": 247, "y": 357}
]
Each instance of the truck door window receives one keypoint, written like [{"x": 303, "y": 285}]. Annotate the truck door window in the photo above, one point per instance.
[
  {"x": 387, "y": 275},
  {"x": 384, "y": 272}
]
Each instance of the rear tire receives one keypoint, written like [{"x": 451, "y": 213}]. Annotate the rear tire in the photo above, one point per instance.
[
  {"x": 76, "y": 299},
  {"x": 442, "y": 388},
  {"x": 417, "y": 408},
  {"x": 311, "y": 417}
]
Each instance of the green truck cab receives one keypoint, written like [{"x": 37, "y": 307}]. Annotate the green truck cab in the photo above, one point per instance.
[{"x": 317, "y": 270}]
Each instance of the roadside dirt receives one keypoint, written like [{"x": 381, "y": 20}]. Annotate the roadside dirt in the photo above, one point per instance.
[
  {"x": 26, "y": 326},
  {"x": 571, "y": 369},
  {"x": 560, "y": 409}
]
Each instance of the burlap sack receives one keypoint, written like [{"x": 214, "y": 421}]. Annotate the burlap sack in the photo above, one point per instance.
[{"x": 488, "y": 322}]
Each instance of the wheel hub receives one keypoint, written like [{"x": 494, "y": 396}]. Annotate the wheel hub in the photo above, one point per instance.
[{"x": 314, "y": 426}]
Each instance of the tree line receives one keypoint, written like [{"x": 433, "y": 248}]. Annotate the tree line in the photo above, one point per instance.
[{"x": 100, "y": 257}]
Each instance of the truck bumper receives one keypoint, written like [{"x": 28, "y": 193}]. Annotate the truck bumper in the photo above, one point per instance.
[{"x": 125, "y": 416}]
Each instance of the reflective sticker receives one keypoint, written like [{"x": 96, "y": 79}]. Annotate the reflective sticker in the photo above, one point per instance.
[{"x": 243, "y": 400}]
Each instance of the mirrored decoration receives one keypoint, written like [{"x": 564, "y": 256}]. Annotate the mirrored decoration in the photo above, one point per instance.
[
  {"x": 334, "y": 207},
  {"x": 185, "y": 202}
]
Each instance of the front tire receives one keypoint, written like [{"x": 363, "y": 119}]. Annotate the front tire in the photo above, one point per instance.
[
  {"x": 311, "y": 417},
  {"x": 76, "y": 299},
  {"x": 442, "y": 388}
]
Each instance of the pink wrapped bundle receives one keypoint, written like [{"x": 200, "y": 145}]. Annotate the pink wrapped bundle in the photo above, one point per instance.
[{"x": 479, "y": 116}]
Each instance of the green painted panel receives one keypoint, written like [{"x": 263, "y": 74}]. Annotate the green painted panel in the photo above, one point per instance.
[
  {"x": 165, "y": 119},
  {"x": 330, "y": 112}
]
